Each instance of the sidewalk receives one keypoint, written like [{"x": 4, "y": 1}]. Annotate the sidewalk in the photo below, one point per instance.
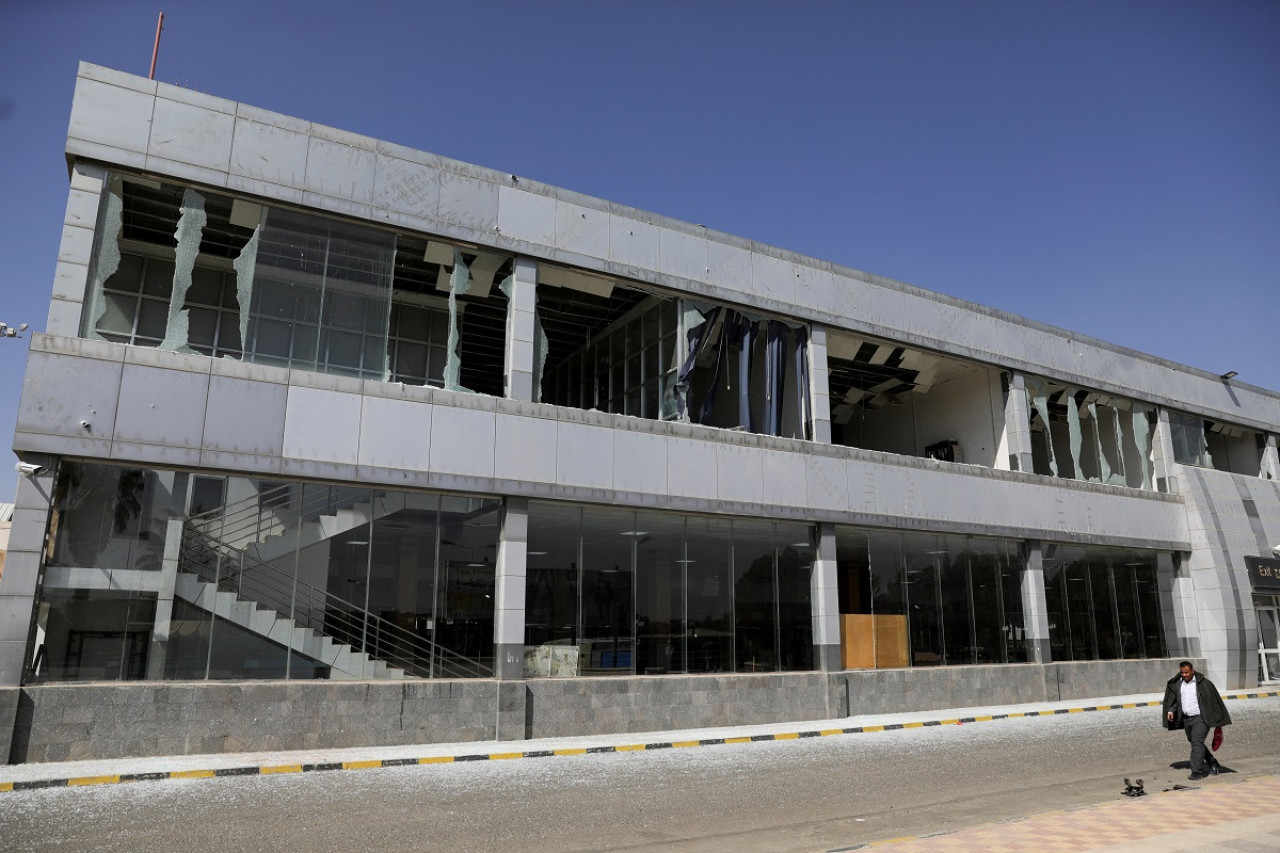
[
  {"x": 1217, "y": 814},
  {"x": 19, "y": 777}
]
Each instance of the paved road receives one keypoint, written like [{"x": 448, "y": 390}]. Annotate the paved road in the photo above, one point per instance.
[{"x": 799, "y": 795}]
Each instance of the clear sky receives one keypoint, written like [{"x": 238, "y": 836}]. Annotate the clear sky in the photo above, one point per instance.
[{"x": 1109, "y": 167}]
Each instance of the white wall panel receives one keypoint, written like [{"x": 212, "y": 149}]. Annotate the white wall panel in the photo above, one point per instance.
[
  {"x": 269, "y": 153},
  {"x": 633, "y": 242},
  {"x": 582, "y": 230},
  {"x": 583, "y": 455},
  {"x": 162, "y": 406},
  {"x": 395, "y": 434},
  {"x": 322, "y": 425},
  {"x": 406, "y": 186},
  {"x": 526, "y": 216},
  {"x": 111, "y": 116},
  {"x": 468, "y": 201},
  {"x": 772, "y": 278},
  {"x": 186, "y": 133},
  {"x": 526, "y": 449},
  {"x": 640, "y": 462},
  {"x": 684, "y": 255},
  {"x": 727, "y": 266},
  {"x": 245, "y": 416},
  {"x": 691, "y": 469},
  {"x": 339, "y": 170},
  {"x": 462, "y": 442},
  {"x": 739, "y": 473}
]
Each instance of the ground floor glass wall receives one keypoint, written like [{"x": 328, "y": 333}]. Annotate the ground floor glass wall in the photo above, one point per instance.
[
  {"x": 167, "y": 575},
  {"x": 1103, "y": 603},
  {"x": 923, "y": 599},
  {"x": 612, "y": 591}
]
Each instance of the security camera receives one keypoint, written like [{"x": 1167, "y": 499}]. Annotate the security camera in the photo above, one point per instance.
[{"x": 26, "y": 469}]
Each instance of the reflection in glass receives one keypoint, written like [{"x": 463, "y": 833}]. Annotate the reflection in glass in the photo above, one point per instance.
[
  {"x": 952, "y": 560},
  {"x": 990, "y": 620},
  {"x": 110, "y": 517},
  {"x": 795, "y": 570},
  {"x": 1104, "y": 612},
  {"x": 754, "y": 597},
  {"x": 608, "y": 602},
  {"x": 923, "y": 557},
  {"x": 660, "y": 592},
  {"x": 92, "y": 635},
  {"x": 1012, "y": 561},
  {"x": 709, "y": 582}
]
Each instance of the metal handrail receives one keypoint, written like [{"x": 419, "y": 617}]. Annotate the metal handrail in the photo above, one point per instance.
[
  {"x": 275, "y": 510},
  {"x": 253, "y": 580}
]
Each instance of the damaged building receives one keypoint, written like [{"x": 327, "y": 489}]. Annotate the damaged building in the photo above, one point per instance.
[{"x": 333, "y": 442}]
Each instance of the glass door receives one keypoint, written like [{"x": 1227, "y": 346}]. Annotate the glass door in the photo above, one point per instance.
[{"x": 1268, "y": 645}]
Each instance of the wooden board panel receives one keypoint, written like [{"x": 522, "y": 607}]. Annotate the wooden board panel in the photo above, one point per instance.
[
  {"x": 857, "y": 641},
  {"x": 891, "y": 641}
]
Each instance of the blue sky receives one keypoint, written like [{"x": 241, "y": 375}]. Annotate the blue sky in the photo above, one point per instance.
[{"x": 1109, "y": 167}]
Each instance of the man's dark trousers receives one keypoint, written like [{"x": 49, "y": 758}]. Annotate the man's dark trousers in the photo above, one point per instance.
[{"x": 1197, "y": 730}]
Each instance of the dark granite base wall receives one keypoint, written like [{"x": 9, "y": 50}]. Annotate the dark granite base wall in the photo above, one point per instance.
[{"x": 62, "y": 722}]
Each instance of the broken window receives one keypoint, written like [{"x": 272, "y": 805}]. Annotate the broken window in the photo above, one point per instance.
[
  {"x": 1080, "y": 434},
  {"x": 190, "y": 271},
  {"x": 432, "y": 319},
  {"x": 1213, "y": 444},
  {"x": 897, "y": 399},
  {"x": 616, "y": 347},
  {"x": 742, "y": 371},
  {"x": 609, "y": 346}
]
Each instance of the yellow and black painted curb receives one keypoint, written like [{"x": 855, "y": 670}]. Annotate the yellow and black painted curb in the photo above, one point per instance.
[{"x": 267, "y": 770}]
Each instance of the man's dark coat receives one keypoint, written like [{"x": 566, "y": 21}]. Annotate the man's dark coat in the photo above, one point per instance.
[{"x": 1212, "y": 708}]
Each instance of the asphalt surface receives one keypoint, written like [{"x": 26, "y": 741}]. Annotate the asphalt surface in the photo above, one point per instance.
[{"x": 804, "y": 794}]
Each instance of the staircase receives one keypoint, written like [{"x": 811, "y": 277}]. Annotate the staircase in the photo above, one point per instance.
[
  {"x": 279, "y": 520},
  {"x": 269, "y": 602},
  {"x": 344, "y": 662}
]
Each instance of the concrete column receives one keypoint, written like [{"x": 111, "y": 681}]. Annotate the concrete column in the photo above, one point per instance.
[
  {"x": 1017, "y": 426},
  {"x": 520, "y": 363},
  {"x": 1035, "y": 609},
  {"x": 1178, "y": 605},
  {"x": 819, "y": 385},
  {"x": 1270, "y": 460},
  {"x": 75, "y": 254},
  {"x": 19, "y": 586},
  {"x": 508, "y": 622},
  {"x": 825, "y": 602},
  {"x": 1163, "y": 465}
]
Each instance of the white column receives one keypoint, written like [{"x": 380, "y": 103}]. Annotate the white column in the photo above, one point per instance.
[
  {"x": 825, "y": 602},
  {"x": 1270, "y": 460},
  {"x": 79, "y": 226},
  {"x": 520, "y": 365},
  {"x": 508, "y": 622},
  {"x": 819, "y": 385},
  {"x": 1017, "y": 426},
  {"x": 1035, "y": 609},
  {"x": 1163, "y": 465}
]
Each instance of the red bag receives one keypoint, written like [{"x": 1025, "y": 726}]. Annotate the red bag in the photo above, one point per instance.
[{"x": 1217, "y": 738}]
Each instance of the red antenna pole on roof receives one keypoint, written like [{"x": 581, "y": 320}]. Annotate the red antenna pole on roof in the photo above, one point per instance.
[{"x": 156, "y": 50}]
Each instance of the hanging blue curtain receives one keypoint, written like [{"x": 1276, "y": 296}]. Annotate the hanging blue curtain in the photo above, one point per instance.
[
  {"x": 696, "y": 337},
  {"x": 802, "y": 382},
  {"x": 746, "y": 339},
  {"x": 775, "y": 376},
  {"x": 728, "y": 329}
]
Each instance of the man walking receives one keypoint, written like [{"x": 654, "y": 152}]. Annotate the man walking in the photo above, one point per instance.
[{"x": 1192, "y": 703}]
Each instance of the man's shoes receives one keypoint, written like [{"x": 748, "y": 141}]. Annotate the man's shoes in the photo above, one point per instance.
[{"x": 1196, "y": 777}]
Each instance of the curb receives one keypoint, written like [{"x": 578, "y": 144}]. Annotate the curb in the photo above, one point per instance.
[{"x": 266, "y": 770}]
